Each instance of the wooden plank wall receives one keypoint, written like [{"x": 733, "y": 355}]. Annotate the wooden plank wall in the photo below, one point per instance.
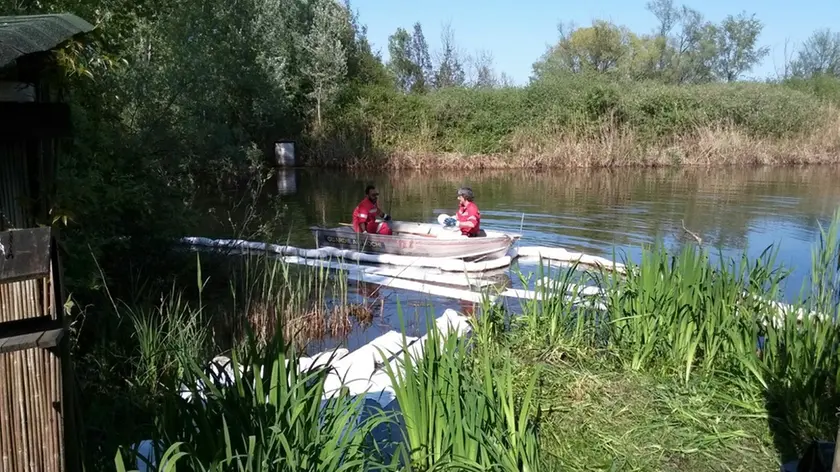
[
  {"x": 31, "y": 380},
  {"x": 30, "y": 388}
]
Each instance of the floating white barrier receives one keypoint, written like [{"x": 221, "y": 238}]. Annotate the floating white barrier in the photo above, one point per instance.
[
  {"x": 563, "y": 255},
  {"x": 444, "y": 264},
  {"x": 403, "y": 273}
]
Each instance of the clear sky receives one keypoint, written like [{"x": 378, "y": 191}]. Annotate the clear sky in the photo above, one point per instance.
[{"x": 517, "y": 32}]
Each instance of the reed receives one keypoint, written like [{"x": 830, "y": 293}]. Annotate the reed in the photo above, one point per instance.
[
  {"x": 708, "y": 320},
  {"x": 263, "y": 414},
  {"x": 462, "y": 412},
  {"x": 308, "y": 302}
]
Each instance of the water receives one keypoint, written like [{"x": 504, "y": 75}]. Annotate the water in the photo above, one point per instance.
[{"x": 592, "y": 211}]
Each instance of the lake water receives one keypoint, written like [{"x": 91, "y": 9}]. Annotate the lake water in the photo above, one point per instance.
[{"x": 591, "y": 211}]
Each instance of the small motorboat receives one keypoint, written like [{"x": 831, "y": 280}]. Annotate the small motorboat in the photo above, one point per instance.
[{"x": 418, "y": 240}]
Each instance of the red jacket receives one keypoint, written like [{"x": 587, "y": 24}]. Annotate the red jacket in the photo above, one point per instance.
[
  {"x": 469, "y": 212},
  {"x": 366, "y": 213}
]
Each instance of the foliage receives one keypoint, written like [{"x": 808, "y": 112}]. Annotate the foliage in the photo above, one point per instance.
[
  {"x": 461, "y": 417},
  {"x": 684, "y": 49},
  {"x": 262, "y": 412},
  {"x": 700, "y": 320},
  {"x": 489, "y": 120},
  {"x": 819, "y": 55}
]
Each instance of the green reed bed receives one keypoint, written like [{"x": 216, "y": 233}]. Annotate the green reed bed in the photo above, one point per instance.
[
  {"x": 269, "y": 417},
  {"x": 684, "y": 363},
  {"x": 743, "y": 372},
  {"x": 460, "y": 409}
]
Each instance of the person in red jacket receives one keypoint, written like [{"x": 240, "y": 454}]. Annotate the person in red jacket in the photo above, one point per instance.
[
  {"x": 366, "y": 212},
  {"x": 468, "y": 216}
]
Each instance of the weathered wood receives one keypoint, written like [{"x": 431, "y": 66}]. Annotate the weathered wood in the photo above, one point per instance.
[
  {"x": 34, "y": 120},
  {"x": 24, "y": 254},
  {"x": 41, "y": 332},
  {"x": 42, "y": 339}
]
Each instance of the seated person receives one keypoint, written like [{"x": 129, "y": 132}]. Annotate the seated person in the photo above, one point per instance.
[
  {"x": 468, "y": 218},
  {"x": 365, "y": 214}
]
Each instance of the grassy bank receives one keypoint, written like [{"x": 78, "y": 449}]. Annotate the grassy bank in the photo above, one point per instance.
[
  {"x": 689, "y": 368},
  {"x": 585, "y": 122}
]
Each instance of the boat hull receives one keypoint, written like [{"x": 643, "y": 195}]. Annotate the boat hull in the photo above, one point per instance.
[{"x": 417, "y": 240}]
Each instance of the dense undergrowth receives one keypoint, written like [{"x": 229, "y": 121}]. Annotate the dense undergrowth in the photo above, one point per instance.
[
  {"x": 592, "y": 121},
  {"x": 691, "y": 366}
]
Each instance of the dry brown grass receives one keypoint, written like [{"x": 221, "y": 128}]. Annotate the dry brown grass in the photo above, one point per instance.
[
  {"x": 312, "y": 324},
  {"x": 615, "y": 146}
]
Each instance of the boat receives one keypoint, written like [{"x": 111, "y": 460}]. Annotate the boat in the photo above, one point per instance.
[{"x": 418, "y": 240}]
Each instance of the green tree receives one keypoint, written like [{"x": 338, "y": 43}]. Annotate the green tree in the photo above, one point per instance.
[
  {"x": 600, "y": 48},
  {"x": 325, "y": 63},
  {"x": 736, "y": 46},
  {"x": 421, "y": 58},
  {"x": 401, "y": 63}
]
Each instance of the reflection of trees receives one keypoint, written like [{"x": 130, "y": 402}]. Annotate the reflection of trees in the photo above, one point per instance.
[{"x": 588, "y": 208}]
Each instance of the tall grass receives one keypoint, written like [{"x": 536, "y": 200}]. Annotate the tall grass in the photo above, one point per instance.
[
  {"x": 695, "y": 317},
  {"x": 266, "y": 415},
  {"x": 461, "y": 412},
  {"x": 308, "y": 302},
  {"x": 164, "y": 333}
]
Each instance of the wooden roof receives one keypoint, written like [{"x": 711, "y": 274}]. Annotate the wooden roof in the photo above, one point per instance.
[{"x": 22, "y": 35}]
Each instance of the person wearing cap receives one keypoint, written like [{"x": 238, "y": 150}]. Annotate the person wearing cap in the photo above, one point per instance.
[
  {"x": 467, "y": 218},
  {"x": 366, "y": 212}
]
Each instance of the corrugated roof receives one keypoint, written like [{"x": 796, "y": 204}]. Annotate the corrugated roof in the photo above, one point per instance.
[{"x": 21, "y": 35}]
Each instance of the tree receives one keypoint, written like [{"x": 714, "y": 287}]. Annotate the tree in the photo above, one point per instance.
[
  {"x": 421, "y": 59},
  {"x": 735, "y": 41},
  {"x": 819, "y": 55},
  {"x": 696, "y": 49},
  {"x": 401, "y": 63},
  {"x": 450, "y": 70},
  {"x": 325, "y": 64},
  {"x": 599, "y": 48},
  {"x": 506, "y": 81},
  {"x": 481, "y": 70}
]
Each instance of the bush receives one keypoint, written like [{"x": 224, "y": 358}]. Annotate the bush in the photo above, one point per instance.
[{"x": 483, "y": 121}]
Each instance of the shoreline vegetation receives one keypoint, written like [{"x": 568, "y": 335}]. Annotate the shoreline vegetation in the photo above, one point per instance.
[
  {"x": 592, "y": 122},
  {"x": 178, "y": 99},
  {"x": 688, "y": 369}
]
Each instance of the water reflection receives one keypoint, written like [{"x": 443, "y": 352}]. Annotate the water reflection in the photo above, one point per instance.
[
  {"x": 594, "y": 211},
  {"x": 601, "y": 212},
  {"x": 286, "y": 180}
]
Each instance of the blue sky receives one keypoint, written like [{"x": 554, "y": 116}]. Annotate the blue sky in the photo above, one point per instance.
[{"x": 517, "y": 32}]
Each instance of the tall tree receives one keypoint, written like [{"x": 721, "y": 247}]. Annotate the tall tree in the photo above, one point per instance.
[
  {"x": 819, "y": 55},
  {"x": 325, "y": 64},
  {"x": 401, "y": 62},
  {"x": 695, "y": 49},
  {"x": 736, "y": 43},
  {"x": 450, "y": 69},
  {"x": 421, "y": 58}
]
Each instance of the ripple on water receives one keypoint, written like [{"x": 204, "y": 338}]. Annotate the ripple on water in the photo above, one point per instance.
[{"x": 592, "y": 211}]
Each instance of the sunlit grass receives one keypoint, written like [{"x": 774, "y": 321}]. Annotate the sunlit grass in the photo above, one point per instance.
[
  {"x": 266, "y": 415},
  {"x": 683, "y": 363}
]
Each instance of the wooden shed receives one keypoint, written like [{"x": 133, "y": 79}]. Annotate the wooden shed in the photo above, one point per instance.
[{"x": 36, "y": 408}]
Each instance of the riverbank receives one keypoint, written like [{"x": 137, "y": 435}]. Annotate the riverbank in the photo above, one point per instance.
[
  {"x": 687, "y": 370},
  {"x": 577, "y": 122}
]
